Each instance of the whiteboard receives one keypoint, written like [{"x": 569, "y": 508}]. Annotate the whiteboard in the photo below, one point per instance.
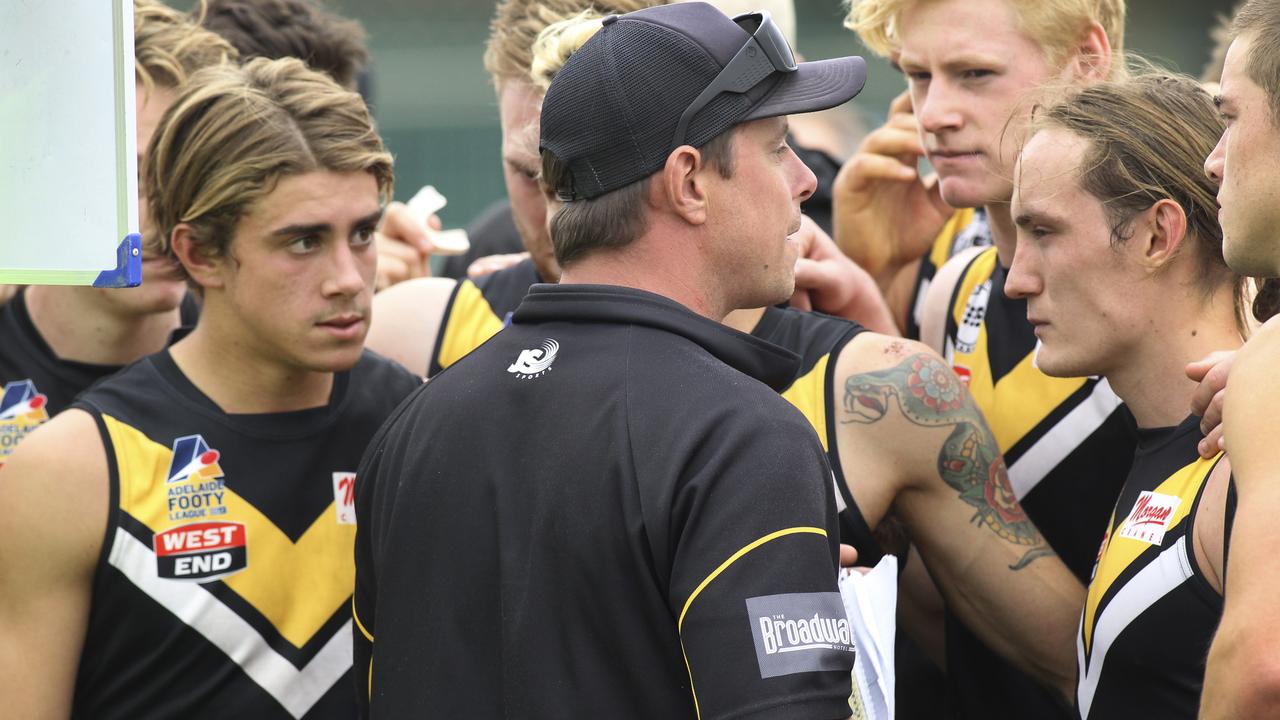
[{"x": 68, "y": 144}]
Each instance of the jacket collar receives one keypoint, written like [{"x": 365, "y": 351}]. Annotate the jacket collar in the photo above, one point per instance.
[{"x": 768, "y": 363}]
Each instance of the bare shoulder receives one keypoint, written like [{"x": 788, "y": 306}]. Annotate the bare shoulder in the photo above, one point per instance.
[
  {"x": 406, "y": 319},
  {"x": 1259, "y": 359},
  {"x": 869, "y": 352},
  {"x": 1250, "y": 409},
  {"x": 937, "y": 301},
  {"x": 57, "y": 472}
]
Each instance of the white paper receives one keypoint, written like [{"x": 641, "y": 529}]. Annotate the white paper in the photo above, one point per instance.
[
  {"x": 427, "y": 202},
  {"x": 871, "y": 602}
]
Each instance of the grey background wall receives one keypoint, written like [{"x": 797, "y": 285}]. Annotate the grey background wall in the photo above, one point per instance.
[{"x": 436, "y": 109}]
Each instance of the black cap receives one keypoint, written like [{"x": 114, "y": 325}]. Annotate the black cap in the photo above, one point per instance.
[{"x": 612, "y": 111}]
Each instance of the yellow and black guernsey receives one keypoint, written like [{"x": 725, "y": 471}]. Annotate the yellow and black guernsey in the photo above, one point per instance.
[
  {"x": 477, "y": 310},
  {"x": 35, "y": 383},
  {"x": 967, "y": 228},
  {"x": 224, "y": 585},
  {"x": 1150, "y": 613},
  {"x": 818, "y": 339},
  {"x": 1068, "y": 443}
]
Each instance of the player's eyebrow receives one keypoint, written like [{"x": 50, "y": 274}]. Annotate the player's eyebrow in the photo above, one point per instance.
[{"x": 321, "y": 228}]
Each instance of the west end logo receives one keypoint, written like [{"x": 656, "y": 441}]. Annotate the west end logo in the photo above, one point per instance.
[
  {"x": 22, "y": 409},
  {"x": 536, "y": 362},
  {"x": 194, "y": 485}
]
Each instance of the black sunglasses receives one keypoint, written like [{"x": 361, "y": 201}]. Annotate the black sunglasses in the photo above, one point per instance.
[{"x": 764, "y": 53}]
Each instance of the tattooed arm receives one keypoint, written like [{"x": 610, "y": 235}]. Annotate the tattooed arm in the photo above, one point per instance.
[{"x": 911, "y": 438}]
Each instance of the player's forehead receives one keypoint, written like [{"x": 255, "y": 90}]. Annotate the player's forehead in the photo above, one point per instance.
[
  {"x": 1048, "y": 171},
  {"x": 951, "y": 30}
]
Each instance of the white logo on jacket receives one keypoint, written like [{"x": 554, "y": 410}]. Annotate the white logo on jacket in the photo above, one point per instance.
[{"x": 534, "y": 363}]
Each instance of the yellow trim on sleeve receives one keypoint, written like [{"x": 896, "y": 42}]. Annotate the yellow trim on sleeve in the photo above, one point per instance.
[
  {"x": 356, "y": 617},
  {"x": 714, "y": 574}
]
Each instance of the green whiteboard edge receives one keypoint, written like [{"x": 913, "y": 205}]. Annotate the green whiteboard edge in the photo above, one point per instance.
[{"x": 46, "y": 277}]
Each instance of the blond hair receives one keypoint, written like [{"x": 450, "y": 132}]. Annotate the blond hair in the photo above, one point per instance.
[
  {"x": 1055, "y": 25},
  {"x": 516, "y": 24},
  {"x": 235, "y": 131},
  {"x": 168, "y": 47}
]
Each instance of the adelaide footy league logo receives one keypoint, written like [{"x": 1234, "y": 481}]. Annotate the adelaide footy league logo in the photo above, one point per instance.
[
  {"x": 193, "y": 458},
  {"x": 536, "y": 362},
  {"x": 22, "y": 409}
]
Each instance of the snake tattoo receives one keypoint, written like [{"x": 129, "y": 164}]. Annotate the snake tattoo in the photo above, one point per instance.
[{"x": 930, "y": 395}]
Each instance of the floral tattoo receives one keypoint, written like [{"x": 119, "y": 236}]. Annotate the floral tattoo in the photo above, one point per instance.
[{"x": 930, "y": 395}]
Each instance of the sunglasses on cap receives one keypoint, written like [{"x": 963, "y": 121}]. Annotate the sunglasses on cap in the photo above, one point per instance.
[{"x": 764, "y": 53}]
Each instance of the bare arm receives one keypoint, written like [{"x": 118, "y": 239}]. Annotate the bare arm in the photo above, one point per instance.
[
  {"x": 49, "y": 546},
  {"x": 1242, "y": 677},
  {"x": 406, "y": 321},
  {"x": 919, "y": 443},
  {"x": 937, "y": 302}
]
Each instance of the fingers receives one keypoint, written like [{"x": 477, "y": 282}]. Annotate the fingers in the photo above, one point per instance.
[
  {"x": 490, "y": 264},
  {"x": 403, "y": 224},
  {"x": 397, "y": 262},
  {"x": 1211, "y": 373},
  {"x": 902, "y": 104},
  {"x": 848, "y": 555},
  {"x": 1212, "y": 443},
  {"x": 800, "y": 300},
  {"x": 1196, "y": 370}
]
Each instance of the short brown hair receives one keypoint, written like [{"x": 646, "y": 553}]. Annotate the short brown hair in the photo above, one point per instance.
[
  {"x": 167, "y": 47},
  {"x": 291, "y": 28},
  {"x": 516, "y": 25},
  {"x": 235, "y": 131},
  {"x": 1148, "y": 140},
  {"x": 1055, "y": 25},
  {"x": 617, "y": 218},
  {"x": 1260, "y": 19}
]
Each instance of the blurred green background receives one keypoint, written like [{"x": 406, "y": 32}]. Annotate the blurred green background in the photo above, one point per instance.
[{"x": 437, "y": 113}]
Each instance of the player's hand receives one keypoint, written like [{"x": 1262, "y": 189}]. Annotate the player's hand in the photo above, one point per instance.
[
  {"x": 885, "y": 214},
  {"x": 490, "y": 264},
  {"x": 404, "y": 245},
  {"x": 1209, "y": 396},
  {"x": 848, "y": 556},
  {"x": 828, "y": 281},
  {"x": 7, "y": 292}
]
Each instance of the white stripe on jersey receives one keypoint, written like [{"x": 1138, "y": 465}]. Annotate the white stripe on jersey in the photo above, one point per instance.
[
  {"x": 1169, "y": 570},
  {"x": 1062, "y": 439},
  {"x": 297, "y": 690}
]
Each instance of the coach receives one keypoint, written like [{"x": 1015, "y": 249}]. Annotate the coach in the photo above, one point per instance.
[{"x": 606, "y": 511}]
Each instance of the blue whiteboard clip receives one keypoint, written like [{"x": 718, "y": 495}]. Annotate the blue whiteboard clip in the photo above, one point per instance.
[{"x": 128, "y": 270}]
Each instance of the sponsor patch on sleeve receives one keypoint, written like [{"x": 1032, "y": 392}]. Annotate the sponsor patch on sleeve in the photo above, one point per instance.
[
  {"x": 800, "y": 632},
  {"x": 1150, "y": 518}
]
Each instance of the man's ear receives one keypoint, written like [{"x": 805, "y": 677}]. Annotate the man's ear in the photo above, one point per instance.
[
  {"x": 1161, "y": 230},
  {"x": 204, "y": 270},
  {"x": 1093, "y": 58},
  {"x": 682, "y": 185}
]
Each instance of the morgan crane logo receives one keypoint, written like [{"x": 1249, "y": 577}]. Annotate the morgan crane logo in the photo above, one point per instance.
[
  {"x": 1151, "y": 517},
  {"x": 536, "y": 362}
]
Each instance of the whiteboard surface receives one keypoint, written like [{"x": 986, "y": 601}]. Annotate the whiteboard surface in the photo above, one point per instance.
[{"x": 68, "y": 158}]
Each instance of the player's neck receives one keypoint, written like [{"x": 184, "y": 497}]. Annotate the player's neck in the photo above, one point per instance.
[
  {"x": 1004, "y": 233},
  {"x": 1151, "y": 379},
  {"x": 744, "y": 320},
  {"x": 78, "y": 326},
  {"x": 672, "y": 278},
  {"x": 219, "y": 358}
]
